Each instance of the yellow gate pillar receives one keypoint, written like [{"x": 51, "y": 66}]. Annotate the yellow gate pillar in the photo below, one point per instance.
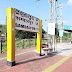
[
  {"x": 10, "y": 37},
  {"x": 39, "y": 39}
]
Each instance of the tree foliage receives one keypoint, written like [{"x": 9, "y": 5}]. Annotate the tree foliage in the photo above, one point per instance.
[
  {"x": 21, "y": 34},
  {"x": 3, "y": 29}
]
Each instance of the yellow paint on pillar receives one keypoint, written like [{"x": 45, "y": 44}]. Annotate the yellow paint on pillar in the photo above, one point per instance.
[
  {"x": 39, "y": 38},
  {"x": 10, "y": 34}
]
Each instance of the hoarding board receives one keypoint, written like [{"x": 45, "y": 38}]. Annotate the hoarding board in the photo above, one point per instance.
[
  {"x": 60, "y": 33},
  {"x": 26, "y": 22}
]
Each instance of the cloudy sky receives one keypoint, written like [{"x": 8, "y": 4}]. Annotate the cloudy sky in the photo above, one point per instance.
[
  {"x": 69, "y": 2},
  {"x": 38, "y": 9}
]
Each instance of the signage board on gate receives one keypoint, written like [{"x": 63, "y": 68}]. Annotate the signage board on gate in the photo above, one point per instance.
[{"x": 26, "y": 22}]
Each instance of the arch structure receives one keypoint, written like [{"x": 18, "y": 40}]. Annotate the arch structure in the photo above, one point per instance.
[{"x": 19, "y": 20}]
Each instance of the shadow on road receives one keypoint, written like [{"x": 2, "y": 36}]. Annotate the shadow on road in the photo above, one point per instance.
[{"x": 36, "y": 59}]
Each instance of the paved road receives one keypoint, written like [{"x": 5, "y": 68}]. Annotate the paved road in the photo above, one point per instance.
[
  {"x": 64, "y": 48},
  {"x": 28, "y": 61}
]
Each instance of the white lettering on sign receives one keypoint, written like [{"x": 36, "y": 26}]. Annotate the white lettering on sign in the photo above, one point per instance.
[{"x": 26, "y": 22}]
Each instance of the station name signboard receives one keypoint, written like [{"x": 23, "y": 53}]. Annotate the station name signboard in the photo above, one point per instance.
[{"x": 26, "y": 22}]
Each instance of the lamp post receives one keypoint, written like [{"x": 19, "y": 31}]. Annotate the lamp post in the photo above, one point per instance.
[
  {"x": 52, "y": 17},
  {"x": 61, "y": 20},
  {"x": 37, "y": 0}
]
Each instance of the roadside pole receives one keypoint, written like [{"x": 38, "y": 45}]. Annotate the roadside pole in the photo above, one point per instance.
[
  {"x": 39, "y": 39},
  {"x": 10, "y": 36},
  {"x": 60, "y": 39},
  {"x": 71, "y": 37},
  {"x": 1, "y": 46},
  {"x": 61, "y": 18}
]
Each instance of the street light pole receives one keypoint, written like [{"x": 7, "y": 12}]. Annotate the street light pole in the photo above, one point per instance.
[
  {"x": 52, "y": 16},
  {"x": 61, "y": 20},
  {"x": 49, "y": 11},
  {"x": 37, "y": 0},
  {"x": 54, "y": 22},
  {"x": 56, "y": 11}
]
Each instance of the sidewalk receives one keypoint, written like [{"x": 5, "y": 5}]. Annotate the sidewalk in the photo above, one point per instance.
[
  {"x": 30, "y": 62},
  {"x": 60, "y": 66},
  {"x": 65, "y": 67}
]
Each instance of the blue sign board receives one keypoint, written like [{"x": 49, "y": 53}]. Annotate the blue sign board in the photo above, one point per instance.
[
  {"x": 65, "y": 27},
  {"x": 60, "y": 33}
]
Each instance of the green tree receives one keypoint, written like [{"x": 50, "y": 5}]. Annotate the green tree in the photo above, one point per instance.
[
  {"x": 0, "y": 27},
  {"x": 3, "y": 29},
  {"x": 23, "y": 35}
]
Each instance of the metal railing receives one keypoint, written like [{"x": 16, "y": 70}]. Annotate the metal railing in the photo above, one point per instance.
[{"x": 27, "y": 43}]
